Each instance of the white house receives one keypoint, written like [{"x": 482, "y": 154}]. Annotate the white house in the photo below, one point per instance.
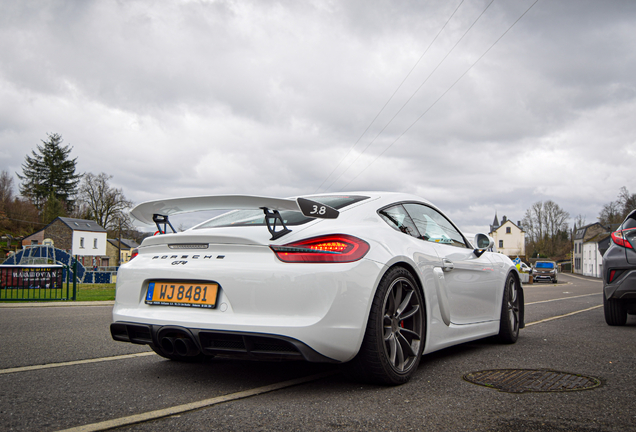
[
  {"x": 582, "y": 235},
  {"x": 592, "y": 259},
  {"x": 510, "y": 238},
  {"x": 592, "y": 252}
]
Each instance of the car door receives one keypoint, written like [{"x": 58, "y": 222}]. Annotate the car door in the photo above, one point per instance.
[{"x": 470, "y": 281}]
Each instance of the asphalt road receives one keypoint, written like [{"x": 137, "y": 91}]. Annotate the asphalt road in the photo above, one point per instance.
[{"x": 44, "y": 388}]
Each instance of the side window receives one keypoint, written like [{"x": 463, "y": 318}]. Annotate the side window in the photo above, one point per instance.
[
  {"x": 433, "y": 226},
  {"x": 399, "y": 220}
]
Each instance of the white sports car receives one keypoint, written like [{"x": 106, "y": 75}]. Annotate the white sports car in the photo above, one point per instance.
[{"x": 372, "y": 280}]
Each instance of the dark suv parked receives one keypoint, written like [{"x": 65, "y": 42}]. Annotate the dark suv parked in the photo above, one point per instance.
[
  {"x": 619, "y": 273},
  {"x": 545, "y": 270}
]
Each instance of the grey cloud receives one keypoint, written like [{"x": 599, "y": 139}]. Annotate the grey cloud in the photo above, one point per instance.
[{"x": 268, "y": 97}]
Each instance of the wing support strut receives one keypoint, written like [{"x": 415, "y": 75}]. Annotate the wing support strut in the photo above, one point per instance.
[
  {"x": 162, "y": 219},
  {"x": 272, "y": 218}
]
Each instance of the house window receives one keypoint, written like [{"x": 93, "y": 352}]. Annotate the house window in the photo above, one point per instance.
[
  {"x": 34, "y": 242},
  {"x": 94, "y": 243},
  {"x": 500, "y": 243},
  {"x": 82, "y": 242},
  {"x": 508, "y": 231}
]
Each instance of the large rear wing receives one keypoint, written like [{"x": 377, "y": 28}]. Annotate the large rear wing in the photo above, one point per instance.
[{"x": 159, "y": 211}]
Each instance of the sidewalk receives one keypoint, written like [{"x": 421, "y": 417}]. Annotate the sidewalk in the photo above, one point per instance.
[
  {"x": 579, "y": 276},
  {"x": 57, "y": 304}
]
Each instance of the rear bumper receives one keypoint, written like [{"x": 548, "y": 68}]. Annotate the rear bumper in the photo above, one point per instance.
[
  {"x": 321, "y": 308},
  {"x": 220, "y": 343},
  {"x": 624, "y": 287}
]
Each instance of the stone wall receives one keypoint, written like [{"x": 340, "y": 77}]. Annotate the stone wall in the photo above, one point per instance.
[{"x": 61, "y": 235}]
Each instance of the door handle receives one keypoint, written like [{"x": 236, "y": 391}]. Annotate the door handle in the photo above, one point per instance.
[{"x": 447, "y": 265}]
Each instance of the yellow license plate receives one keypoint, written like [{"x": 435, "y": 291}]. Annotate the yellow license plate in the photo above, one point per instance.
[{"x": 189, "y": 294}]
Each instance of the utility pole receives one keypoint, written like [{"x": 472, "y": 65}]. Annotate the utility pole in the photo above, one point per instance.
[{"x": 119, "y": 243}]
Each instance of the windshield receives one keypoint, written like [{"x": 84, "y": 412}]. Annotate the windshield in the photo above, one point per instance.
[
  {"x": 257, "y": 217},
  {"x": 544, "y": 265}
]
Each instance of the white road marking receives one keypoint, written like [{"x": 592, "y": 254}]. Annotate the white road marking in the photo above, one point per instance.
[
  {"x": 179, "y": 409},
  {"x": 563, "y": 316},
  {"x": 562, "y": 298},
  {"x": 72, "y": 363}
]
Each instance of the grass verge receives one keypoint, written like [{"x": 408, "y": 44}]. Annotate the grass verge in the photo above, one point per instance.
[
  {"x": 95, "y": 292},
  {"x": 85, "y": 292}
]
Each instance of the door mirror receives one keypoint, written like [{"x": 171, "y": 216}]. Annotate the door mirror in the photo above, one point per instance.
[{"x": 482, "y": 243}]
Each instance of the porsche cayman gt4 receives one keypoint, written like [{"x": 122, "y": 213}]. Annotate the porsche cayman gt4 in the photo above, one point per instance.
[{"x": 369, "y": 280}]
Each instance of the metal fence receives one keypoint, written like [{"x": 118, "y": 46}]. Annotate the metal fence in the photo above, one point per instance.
[{"x": 35, "y": 282}]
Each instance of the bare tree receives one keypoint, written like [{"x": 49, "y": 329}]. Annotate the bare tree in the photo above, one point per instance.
[
  {"x": 546, "y": 228},
  {"x": 627, "y": 201},
  {"x": 23, "y": 217},
  {"x": 101, "y": 202},
  {"x": 579, "y": 221},
  {"x": 6, "y": 189},
  {"x": 18, "y": 216},
  {"x": 613, "y": 213}
]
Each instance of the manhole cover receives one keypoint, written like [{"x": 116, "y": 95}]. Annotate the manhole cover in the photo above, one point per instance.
[{"x": 527, "y": 380}]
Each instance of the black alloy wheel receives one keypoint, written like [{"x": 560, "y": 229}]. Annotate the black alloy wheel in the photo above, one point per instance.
[
  {"x": 394, "y": 338},
  {"x": 510, "y": 312}
]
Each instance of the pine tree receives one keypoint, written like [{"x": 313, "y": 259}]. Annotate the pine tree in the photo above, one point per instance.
[
  {"x": 50, "y": 171},
  {"x": 52, "y": 209}
]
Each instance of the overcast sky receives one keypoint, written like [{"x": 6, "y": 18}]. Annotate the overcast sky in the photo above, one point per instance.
[{"x": 494, "y": 109}]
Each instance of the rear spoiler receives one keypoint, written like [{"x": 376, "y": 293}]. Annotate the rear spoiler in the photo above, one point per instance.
[{"x": 158, "y": 211}]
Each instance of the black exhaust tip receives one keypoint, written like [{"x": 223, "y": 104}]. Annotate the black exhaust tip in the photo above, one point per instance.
[
  {"x": 167, "y": 345},
  {"x": 185, "y": 347}
]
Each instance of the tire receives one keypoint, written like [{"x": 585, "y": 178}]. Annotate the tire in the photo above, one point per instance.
[
  {"x": 394, "y": 338},
  {"x": 615, "y": 311},
  {"x": 510, "y": 312}
]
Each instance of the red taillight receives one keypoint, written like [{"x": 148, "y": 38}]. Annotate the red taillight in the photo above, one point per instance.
[
  {"x": 337, "y": 248},
  {"x": 618, "y": 237},
  {"x": 614, "y": 274},
  {"x": 134, "y": 253}
]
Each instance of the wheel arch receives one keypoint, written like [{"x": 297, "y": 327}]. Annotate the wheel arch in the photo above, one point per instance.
[{"x": 420, "y": 285}]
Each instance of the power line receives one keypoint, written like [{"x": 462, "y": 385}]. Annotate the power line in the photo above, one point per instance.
[
  {"x": 389, "y": 100},
  {"x": 20, "y": 220},
  {"x": 416, "y": 91},
  {"x": 440, "y": 97}
]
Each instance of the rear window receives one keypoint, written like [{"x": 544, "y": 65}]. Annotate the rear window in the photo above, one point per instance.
[
  {"x": 544, "y": 265},
  {"x": 256, "y": 217},
  {"x": 630, "y": 221}
]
